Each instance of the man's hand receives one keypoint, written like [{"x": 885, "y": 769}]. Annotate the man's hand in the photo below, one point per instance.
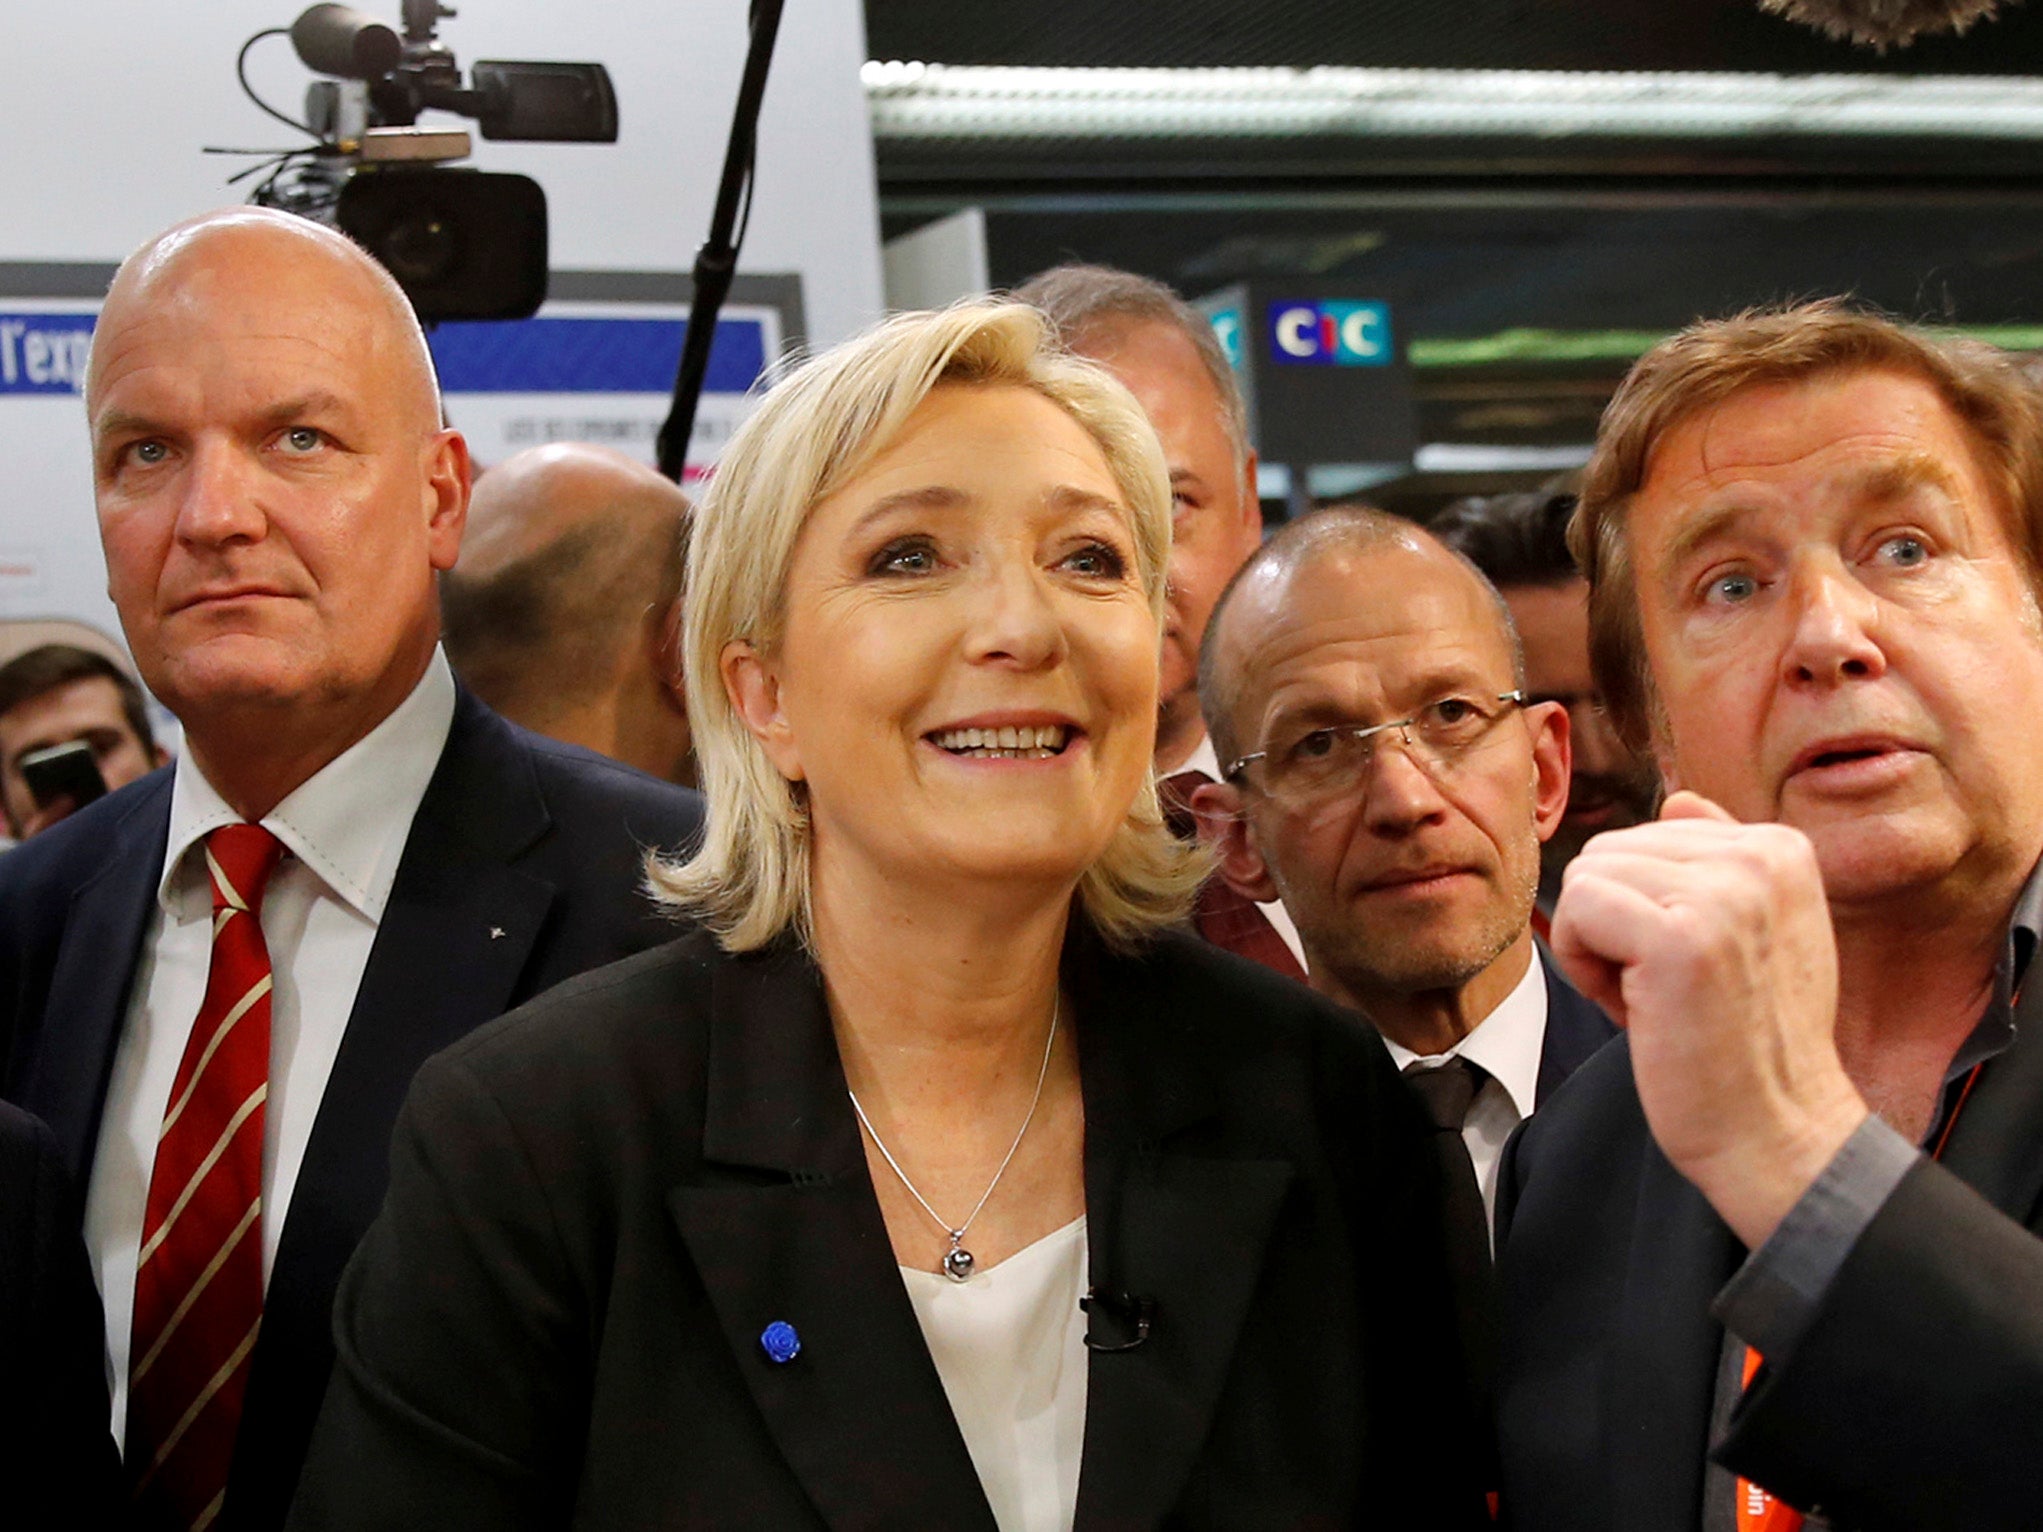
[{"x": 1710, "y": 941}]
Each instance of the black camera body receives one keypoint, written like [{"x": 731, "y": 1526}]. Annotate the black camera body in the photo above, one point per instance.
[{"x": 462, "y": 243}]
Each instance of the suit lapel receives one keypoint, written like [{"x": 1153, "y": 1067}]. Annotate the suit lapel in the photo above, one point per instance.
[
  {"x": 1575, "y": 1028},
  {"x": 450, "y": 949},
  {"x": 1994, "y": 1145},
  {"x": 1660, "y": 1377},
  {"x": 66, "y": 1081},
  {"x": 805, "y": 1243},
  {"x": 1184, "y": 1233}
]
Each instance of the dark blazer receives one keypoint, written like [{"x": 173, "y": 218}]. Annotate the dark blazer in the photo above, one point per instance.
[
  {"x": 599, "y": 1203},
  {"x": 522, "y": 868},
  {"x": 1915, "y": 1400},
  {"x": 57, "y": 1458},
  {"x": 1576, "y": 1027}
]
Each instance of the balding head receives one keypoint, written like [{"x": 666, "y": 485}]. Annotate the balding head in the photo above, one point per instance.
[
  {"x": 560, "y": 612},
  {"x": 241, "y": 244},
  {"x": 527, "y": 503},
  {"x": 1401, "y": 784},
  {"x": 1258, "y": 596},
  {"x": 275, "y": 490}
]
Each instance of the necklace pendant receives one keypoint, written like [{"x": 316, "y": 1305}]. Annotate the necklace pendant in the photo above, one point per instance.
[{"x": 957, "y": 1261}]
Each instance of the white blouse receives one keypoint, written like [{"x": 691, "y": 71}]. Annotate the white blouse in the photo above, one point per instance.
[{"x": 1009, "y": 1344}]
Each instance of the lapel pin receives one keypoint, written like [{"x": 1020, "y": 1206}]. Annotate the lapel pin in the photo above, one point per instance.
[
  {"x": 496, "y": 933},
  {"x": 779, "y": 1341}
]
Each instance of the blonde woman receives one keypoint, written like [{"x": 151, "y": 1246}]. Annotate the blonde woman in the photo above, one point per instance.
[{"x": 930, "y": 1182}]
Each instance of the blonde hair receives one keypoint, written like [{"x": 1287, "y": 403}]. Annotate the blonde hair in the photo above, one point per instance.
[
  {"x": 1707, "y": 363},
  {"x": 816, "y": 429}
]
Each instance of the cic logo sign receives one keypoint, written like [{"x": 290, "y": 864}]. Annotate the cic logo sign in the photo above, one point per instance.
[{"x": 1330, "y": 333}]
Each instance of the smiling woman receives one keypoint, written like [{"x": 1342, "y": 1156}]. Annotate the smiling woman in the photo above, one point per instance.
[
  {"x": 905, "y": 444},
  {"x": 932, "y": 1181}
]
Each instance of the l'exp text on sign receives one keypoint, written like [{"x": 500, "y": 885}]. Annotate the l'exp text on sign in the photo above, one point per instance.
[{"x": 44, "y": 353}]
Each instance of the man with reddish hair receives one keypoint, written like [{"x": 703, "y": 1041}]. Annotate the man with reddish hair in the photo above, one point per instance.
[{"x": 1789, "y": 1226}]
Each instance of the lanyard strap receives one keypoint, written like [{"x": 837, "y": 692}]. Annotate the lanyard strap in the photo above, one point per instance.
[{"x": 1759, "y": 1511}]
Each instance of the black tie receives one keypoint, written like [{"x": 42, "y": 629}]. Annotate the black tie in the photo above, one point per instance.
[{"x": 1447, "y": 1092}]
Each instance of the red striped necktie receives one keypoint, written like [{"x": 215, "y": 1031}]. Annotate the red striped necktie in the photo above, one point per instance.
[{"x": 198, "y": 1283}]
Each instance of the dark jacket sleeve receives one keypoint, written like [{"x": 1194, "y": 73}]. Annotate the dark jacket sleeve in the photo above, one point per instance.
[
  {"x": 459, "y": 1369},
  {"x": 57, "y": 1457},
  {"x": 1915, "y": 1400}
]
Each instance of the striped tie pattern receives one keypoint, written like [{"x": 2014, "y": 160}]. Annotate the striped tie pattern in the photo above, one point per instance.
[{"x": 198, "y": 1283}]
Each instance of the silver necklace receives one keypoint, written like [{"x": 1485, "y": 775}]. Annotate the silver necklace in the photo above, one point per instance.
[{"x": 957, "y": 1261}]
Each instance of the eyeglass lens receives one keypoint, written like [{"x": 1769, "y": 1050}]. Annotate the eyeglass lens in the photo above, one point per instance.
[{"x": 1324, "y": 761}]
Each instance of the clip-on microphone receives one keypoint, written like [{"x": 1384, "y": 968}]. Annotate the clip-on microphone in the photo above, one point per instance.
[{"x": 1130, "y": 1314}]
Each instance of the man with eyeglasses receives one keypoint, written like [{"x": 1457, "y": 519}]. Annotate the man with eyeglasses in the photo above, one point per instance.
[{"x": 1385, "y": 774}]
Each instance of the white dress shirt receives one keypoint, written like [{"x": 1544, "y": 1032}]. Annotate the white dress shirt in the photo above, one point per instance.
[
  {"x": 1507, "y": 1044},
  {"x": 343, "y": 832},
  {"x": 1203, "y": 759},
  {"x": 1009, "y": 1345}
]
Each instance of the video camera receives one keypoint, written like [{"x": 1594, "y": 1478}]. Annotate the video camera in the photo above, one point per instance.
[{"x": 463, "y": 243}]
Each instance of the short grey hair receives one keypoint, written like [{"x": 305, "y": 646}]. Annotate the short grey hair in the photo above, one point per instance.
[{"x": 1087, "y": 304}]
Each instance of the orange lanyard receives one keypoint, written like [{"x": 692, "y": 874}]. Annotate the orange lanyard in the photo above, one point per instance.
[{"x": 1759, "y": 1511}]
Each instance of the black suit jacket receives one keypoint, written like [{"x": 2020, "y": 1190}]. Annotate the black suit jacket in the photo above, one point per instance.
[
  {"x": 57, "y": 1461},
  {"x": 1576, "y": 1027},
  {"x": 1915, "y": 1400},
  {"x": 522, "y": 868},
  {"x": 598, "y": 1204}
]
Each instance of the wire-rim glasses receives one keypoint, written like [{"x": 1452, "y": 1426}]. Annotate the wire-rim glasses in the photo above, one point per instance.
[{"x": 1306, "y": 768}]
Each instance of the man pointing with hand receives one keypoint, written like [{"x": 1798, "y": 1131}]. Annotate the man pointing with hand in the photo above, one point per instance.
[{"x": 1773, "y": 1261}]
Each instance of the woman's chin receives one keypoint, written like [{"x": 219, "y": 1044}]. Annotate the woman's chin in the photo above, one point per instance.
[{"x": 1005, "y": 862}]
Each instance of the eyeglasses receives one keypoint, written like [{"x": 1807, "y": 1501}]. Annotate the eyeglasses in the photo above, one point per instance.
[{"x": 1304, "y": 770}]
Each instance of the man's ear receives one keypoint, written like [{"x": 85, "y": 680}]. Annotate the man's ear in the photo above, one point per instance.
[
  {"x": 754, "y": 689},
  {"x": 449, "y": 477},
  {"x": 663, "y": 654},
  {"x": 1553, "y": 762},
  {"x": 1251, "y": 507},
  {"x": 1224, "y": 825}
]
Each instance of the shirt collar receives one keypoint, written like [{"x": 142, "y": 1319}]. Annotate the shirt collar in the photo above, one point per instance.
[
  {"x": 1995, "y": 1031},
  {"x": 2025, "y": 927},
  {"x": 1201, "y": 759},
  {"x": 348, "y": 821},
  {"x": 1507, "y": 1043}
]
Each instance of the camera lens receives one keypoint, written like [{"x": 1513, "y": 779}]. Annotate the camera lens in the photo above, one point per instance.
[{"x": 421, "y": 248}]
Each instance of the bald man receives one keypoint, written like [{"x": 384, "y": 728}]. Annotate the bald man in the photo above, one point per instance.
[
  {"x": 563, "y": 610},
  {"x": 1386, "y": 773},
  {"x": 216, "y": 983}
]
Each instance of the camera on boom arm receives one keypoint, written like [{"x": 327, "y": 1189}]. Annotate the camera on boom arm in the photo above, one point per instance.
[{"x": 463, "y": 243}]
